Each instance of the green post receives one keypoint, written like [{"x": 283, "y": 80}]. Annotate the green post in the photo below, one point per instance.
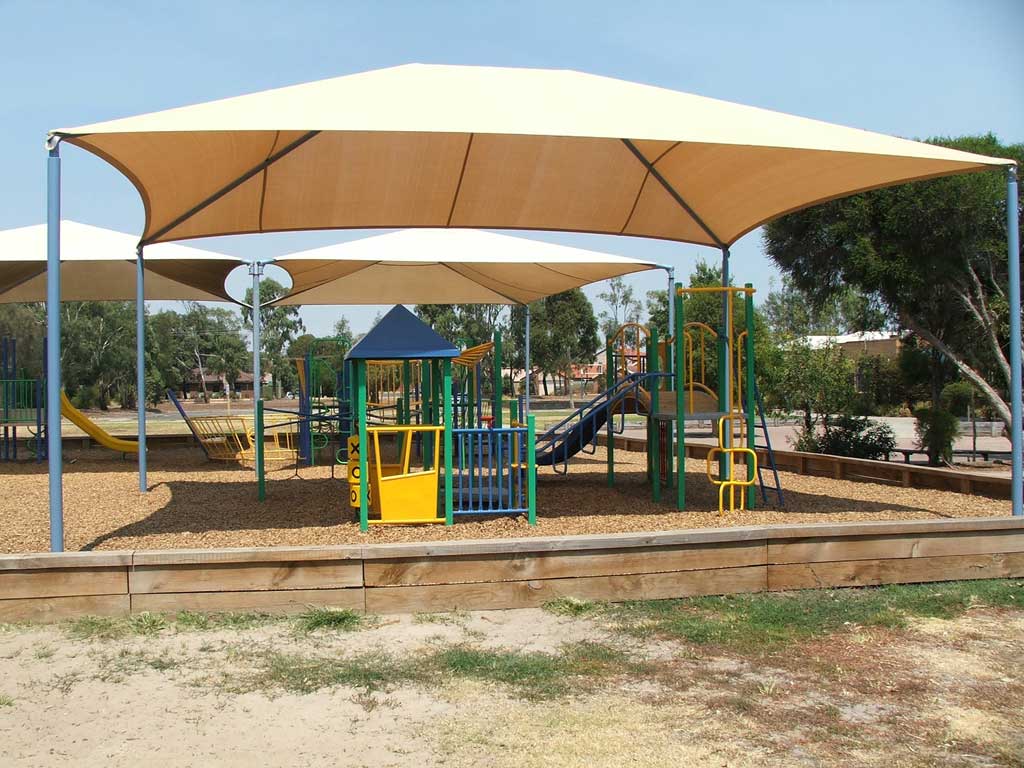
[
  {"x": 653, "y": 425},
  {"x": 531, "y": 469},
  {"x": 364, "y": 447},
  {"x": 425, "y": 414},
  {"x": 406, "y": 387},
  {"x": 513, "y": 411},
  {"x": 261, "y": 480},
  {"x": 471, "y": 379},
  {"x": 447, "y": 399},
  {"x": 680, "y": 364},
  {"x": 724, "y": 404},
  {"x": 499, "y": 383},
  {"x": 610, "y": 376},
  {"x": 751, "y": 384}
]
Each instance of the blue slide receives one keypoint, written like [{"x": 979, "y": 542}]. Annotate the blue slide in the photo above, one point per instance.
[{"x": 578, "y": 431}]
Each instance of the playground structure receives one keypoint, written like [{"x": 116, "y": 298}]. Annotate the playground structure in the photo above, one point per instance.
[
  {"x": 417, "y": 442},
  {"x": 700, "y": 381},
  {"x": 21, "y": 405}
]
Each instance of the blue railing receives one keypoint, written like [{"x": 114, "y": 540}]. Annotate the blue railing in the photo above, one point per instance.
[{"x": 490, "y": 471}]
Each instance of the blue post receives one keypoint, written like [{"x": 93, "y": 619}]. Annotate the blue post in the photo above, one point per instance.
[
  {"x": 140, "y": 361},
  {"x": 53, "y": 383},
  {"x": 1013, "y": 262}
]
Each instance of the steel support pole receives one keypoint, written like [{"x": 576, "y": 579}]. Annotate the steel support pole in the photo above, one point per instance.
[
  {"x": 140, "y": 361},
  {"x": 1013, "y": 263},
  {"x": 725, "y": 351},
  {"x": 256, "y": 270},
  {"x": 526, "y": 363},
  {"x": 53, "y": 379}
]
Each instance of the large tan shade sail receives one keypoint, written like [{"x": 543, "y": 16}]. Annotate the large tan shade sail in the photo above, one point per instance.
[
  {"x": 99, "y": 265},
  {"x": 497, "y": 148},
  {"x": 445, "y": 266}
]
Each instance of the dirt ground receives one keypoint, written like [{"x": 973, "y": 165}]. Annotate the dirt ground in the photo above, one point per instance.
[
  {"x": 194, "y": 503},
  {"x": 937, "y": 692}
]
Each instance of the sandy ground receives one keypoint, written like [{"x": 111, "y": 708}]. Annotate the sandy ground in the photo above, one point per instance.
[
  {"x": 942, "y": 692},
  {"x": 194, "y": 503}
]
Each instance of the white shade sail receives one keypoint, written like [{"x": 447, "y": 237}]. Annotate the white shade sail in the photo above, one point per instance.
[
  {"x": 445, "y": 266},
  {"x": 497, "y": 148},
  {"x": 99, "y": 265}
]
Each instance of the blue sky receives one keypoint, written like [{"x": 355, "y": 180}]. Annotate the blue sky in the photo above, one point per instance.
[{"x": 913, "y": 69}]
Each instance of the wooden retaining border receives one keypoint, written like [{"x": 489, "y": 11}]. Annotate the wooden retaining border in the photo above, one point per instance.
[
  {"x": 512, "y": 573},
  {"x": 860, "y": 470}
]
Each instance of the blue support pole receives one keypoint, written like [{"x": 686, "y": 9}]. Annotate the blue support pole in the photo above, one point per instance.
[
  {"x": 53, "y": 383},
  {"x": 140, "y": 361},
  {"x": 1013, "y": 262}
]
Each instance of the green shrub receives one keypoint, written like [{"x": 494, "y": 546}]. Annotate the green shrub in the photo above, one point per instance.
[
  {"x": 86, "y": 397},
  {"x": 856, "y": 437},
  {"x": 936, "y": 430},
  {"x": 956, "y": 397}
]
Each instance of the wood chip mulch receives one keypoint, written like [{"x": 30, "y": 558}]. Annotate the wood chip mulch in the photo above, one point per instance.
[{"x": 194, "y": 503}]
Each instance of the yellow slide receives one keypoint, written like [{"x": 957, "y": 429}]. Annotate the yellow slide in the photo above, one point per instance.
[{"x": 94, "y": 430}]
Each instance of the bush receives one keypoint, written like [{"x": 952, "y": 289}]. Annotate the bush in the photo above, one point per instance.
[
  {"x": 857, "y": 437},
  {"x": 86, "y": 397},
  {"x": 936, "y": 430},
  {"x": 956, "y": 397}
]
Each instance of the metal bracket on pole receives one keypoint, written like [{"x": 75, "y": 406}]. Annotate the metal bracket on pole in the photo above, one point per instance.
[
  {"x": 1013, "y": 270},
  {"x": 55, "y": 458},
  {"x": 140, "y": 361}
]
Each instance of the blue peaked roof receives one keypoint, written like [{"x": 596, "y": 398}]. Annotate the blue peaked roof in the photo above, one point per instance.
[{"x": 400, "y": 335}]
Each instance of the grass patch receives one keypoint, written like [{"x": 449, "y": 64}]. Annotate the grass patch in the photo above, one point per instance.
[
  {"x": 536, "y": 675},
  {"x": 147, "y": 623},
  {"x": 293, "y": 673},
  {"x": 571, "y": 606},
  {"x": 755, "y": 621},
  {"x": 6, "y": 701},
  {"x": 96, "y": 628},
  {"x": 532, "y": 675},
  {"x": 189, "y": 621},
  {"x": 449, "y": 619},
  {"x": 341, "y": 620}
]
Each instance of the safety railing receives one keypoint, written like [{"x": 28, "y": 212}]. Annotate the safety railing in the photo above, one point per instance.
[{"x": 494, "y": 471}]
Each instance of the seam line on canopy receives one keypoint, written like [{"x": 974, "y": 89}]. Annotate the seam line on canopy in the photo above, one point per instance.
[
  {"x": 202, "y": 205},
  {"x": 640, "y": 189},
  {"x": 458, "y": 187},
  {"x": 263, "y": 188},
  {"x": 672, "y": 191},
  {"x": 449, "y": 267},
  {"x": 320, "y": 284}
]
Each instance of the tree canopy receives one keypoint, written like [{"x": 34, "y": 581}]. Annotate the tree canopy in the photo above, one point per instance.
[{"x": 931, "y": 253}]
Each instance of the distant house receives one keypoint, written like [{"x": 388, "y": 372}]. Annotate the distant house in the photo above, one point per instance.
[
  {"x": 856, "y": 345},
  {"x": 217, "y": 383}
]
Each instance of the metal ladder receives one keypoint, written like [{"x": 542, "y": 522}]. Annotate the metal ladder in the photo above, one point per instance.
[{"x": 767, "y": 447}]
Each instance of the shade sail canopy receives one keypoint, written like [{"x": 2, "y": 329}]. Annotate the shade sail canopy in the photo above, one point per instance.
[
  {"x": 498, "y": 148},
  {"x": 445, "y": 266},
  {"x": 99, "y": 265},
  {"x": 400, "y": 335}
]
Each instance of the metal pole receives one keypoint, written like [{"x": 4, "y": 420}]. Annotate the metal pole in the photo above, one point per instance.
[
  {"x": 526, "y": 356},
  {"x": 671, "y": 273},
  {"x": 1013, "y": 261},
  {"x": 725, "y": 352},
  {"x": 140, "y": 361},
  {"x": 53, "y": 383},
  {"x": 256, "y": 270}
]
